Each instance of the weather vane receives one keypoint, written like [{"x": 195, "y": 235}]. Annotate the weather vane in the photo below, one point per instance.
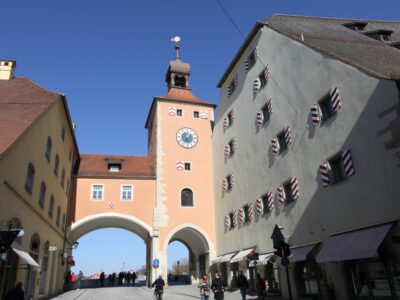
[{"x": 176, "y": 40}]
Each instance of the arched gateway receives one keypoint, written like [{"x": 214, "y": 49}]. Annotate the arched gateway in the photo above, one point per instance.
[{"x": 162, "y": 197}]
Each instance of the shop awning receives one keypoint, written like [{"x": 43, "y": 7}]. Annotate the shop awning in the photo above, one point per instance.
[
  {"x": 25, "y": 257},
  {"x": 216, "y": 260},
  {"x": 357, "y": 244},
  {"x": 300, "y": 253},
  {"x": 241, "y": 255},
  {"x": 262, "y": 259},
  {"x": 227, "y": 257}
]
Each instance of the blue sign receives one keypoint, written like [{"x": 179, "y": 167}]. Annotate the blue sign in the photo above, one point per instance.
[
  {"x": 156, "y": 263},
  {"x": 285, "y": 261}
]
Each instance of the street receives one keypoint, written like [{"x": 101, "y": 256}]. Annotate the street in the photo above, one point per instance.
[{"x": 142, "y": 293}]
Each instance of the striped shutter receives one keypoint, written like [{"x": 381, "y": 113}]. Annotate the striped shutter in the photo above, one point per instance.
[
  {"x": 235, "y": 219},
  {"x": 281, "y": 195},
  {"x": 266, "y": 74},
  {"x": 294, "y": 184},
  {"x": 227, "y": 222},
  {"x": 233, "y": 114},
  {"x": 227, "y": 151},
  {"x": 256, "y": 85},
  {"x": 335, "y": 99},
  {"x": 315, "y": 115},
  {"x": 270, "y": 197},
  {"x": 226, "y": 122},
  {"x": 234, "y": 144},
  {"x": 251, "y": 211},
  {"x": 260, "y": 119},
  {"x": 241, "y": 215},
  {"x": 228, "y": 90},
  {"x": 172, "y": 111},
  {"x": 180, "y": 165},
  {"x": 256, "y": 53},
  {"x": 259, "y": 206},
  {"x": 236, "y": 80},
  {"x": 348, "y": 163},
  {"x": 324, "y": 169},
  {"x": 246, "y": 65},
  {"x": 232, "y": 179},
  {"x": 269, "y": 106},
  {"x": 224, "y": 184},
  {"x": 203, "y": 115},
  {"x": 275, "y": 146},
  {"x": 288, "y": 136}
]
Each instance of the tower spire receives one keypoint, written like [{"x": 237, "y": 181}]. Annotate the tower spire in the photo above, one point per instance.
[
  {"x": 177, "y": 40},
  {"x": 178, "y": 71}
]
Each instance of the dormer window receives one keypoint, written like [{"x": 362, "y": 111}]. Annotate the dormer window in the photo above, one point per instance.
[
  {"x": 114, "y": 167},
  {"x": 357, "y": 26},
  {"x": 380, "y": 35}
]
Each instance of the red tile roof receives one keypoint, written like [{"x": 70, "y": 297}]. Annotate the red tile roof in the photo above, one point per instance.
[
  {"x": 93, "y": 165},
  {"x": 21, "y": 103},
  {"x": 182, "y": 94}
]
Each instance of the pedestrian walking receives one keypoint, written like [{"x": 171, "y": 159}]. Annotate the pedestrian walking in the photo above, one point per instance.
[
  {"x": 243, "y": 284},
  {"x": 73, "y": 279},
  {"x": 80, "y": 278},
  {"x": 260, "y": 287},
  {"x": 159, "y": 287},
  {"x": 17, "y": 293},
  {"x": 204, "y": 286},
  {"x": 133, "y": 278},
  {"x": 218, "y": 287},
  {"x": 102, "y": 276},
  {"x": 67, "y": 281}
]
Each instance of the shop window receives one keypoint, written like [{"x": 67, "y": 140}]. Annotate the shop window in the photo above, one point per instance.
[{"x": 307, "y": 279}]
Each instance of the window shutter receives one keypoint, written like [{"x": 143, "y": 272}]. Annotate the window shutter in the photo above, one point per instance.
[
  {"x": 226, "y": 122},
  {"x": 281, "y": 195},
  {"x": 335, "y": 99},
  {"x": 259, "y": 206},
  {"x": 256, "y": 53},
  {"x": 227, "y": 222},
  {"x": 256, "y": 85},
  {"x": 295, "y": 188},
  {"x": 250, "y": 211},
  {"x": 224, "y": 184},
  {"x": 324, "y": 169},
  {"x": 236, "y": 80},
  {"x": 234, "y": 144},
  {"x": 275, "y": 146},
  {"x": 315, "y": 115},
  {"x": 348, "y": 163},
  {"x": 172, "y": 111},
  {"x": 266, "y": 74},
  {"x": 227, "y": 151},
  {"x": 233, "y": 114},
  {"x": 203, "y": 115},
  {"x": 232, "y": 179},
  {"x": 270, "y": 197},
  {"x": 241, "y": 215},
  {"x": 260, "y": 119},
  {"x": 269, "y": 106},
  {"x": 246, "y": 65},
  {"x": 234, "y": 213},
  {"x": 180, "y": 165},
  {"x": 288, "y": 136},
  {"x": 228, "y": 90}
]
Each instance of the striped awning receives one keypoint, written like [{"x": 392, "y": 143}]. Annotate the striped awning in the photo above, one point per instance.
[
  {"x": 241, "y": 255},
  {"x": 263, "y": 259},
  {"x": 227, "y": 257},
  {"x": 25, "y": 258},
  {"x": 216, "y": 260}
]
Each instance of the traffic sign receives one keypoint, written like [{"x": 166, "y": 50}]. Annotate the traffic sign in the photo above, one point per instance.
[{"x": 156, "y": 263}]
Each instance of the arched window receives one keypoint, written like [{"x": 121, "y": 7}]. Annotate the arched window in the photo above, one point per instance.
[
  {"x": 62, "y": 177},
  {"x": 63, "y": 223},
  {"x": 30, "y": 176},
  {"x": 56, "y": 163},
  {"x": 186, "y": 197},
  {"x": 34, "y": 246},
  {"x": 58, "y": 216},
  {"x": 42, "y": 194},
  {"x": 48, "y": 148},
  {"x": 51, "y": 206}
]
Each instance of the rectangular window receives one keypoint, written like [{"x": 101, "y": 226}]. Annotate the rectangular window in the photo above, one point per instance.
[
  {"x": 97, "y": 191},
  {"x": 126, "y": 192},
  {"x": 179, "y": 112},
  {"x": 56, "y": 163},
  {"x": 287, "y": 187},
  {"x": 263, "y": 80},
  {"x": 251, "y": 60},
  {"x": 230, "y": 118},
  {"x": 114, "y": 167},
  {"x": 326, "y": 108},
  {"x": 231, "y": 147},
  {"x": 282, "y": 142},
  {"x": 307, "y": 278},
  {"x": 30, "y": 176},
  {"x": 196, "y": 114},
  {"x": 265, "y": 204},
  {"x": 48, "y": 149},
  {"x": 337, "y": 173},
  {"x": 232, "y": 87},
  {"x": 229, "y": 183},
  {"x": 188, "y": 166},
  {"x": 265, "y": 112},
  {"x": 232, "y": 220},
  {"x": 246, "y": 213}
]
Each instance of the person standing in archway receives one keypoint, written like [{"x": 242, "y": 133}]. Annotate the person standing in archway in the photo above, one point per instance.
[
  {"x": 204, "y": 288},
  {"x": 218, "y": 287},
  {"x": 242, "y": 284}
]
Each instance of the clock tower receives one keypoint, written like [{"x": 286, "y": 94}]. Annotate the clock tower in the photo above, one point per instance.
[{"x": 180, "y": 130}]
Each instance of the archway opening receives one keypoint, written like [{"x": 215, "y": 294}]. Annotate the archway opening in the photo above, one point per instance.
[
  {"x": 109, "y": 257},
  {"x": 178, "y": 263}
]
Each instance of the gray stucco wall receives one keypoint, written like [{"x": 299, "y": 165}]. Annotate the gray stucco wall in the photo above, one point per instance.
[{"x": 300, "y": 77}]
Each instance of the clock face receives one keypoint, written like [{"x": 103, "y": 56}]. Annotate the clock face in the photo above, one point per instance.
[{"x": 186, "y": 137}]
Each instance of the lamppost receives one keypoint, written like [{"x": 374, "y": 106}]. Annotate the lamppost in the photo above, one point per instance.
[
  {"x": 178, "y": 262},
  {"x": 122, "y": 266}
]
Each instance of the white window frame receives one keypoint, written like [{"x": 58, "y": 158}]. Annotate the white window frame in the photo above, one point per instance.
[
  {"x": 194, "y": 111},
  {"x": 92, "y": 189},
  {"x": 181, "y": 111},
  {"x": 184, "y": 166},
  {"x": 122, "y": 191}
]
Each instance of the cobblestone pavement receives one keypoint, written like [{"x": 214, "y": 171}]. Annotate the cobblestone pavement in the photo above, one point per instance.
[{"x": 143, "y": 293}]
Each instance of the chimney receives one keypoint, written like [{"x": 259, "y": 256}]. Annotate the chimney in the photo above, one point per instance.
[{"x": 7, "y": 69}]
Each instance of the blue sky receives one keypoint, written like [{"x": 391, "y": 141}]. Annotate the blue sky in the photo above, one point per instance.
[{"x": 110, "y": 59}]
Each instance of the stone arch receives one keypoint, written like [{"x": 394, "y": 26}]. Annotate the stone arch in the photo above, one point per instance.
[{"x": 104, "y": 220}]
